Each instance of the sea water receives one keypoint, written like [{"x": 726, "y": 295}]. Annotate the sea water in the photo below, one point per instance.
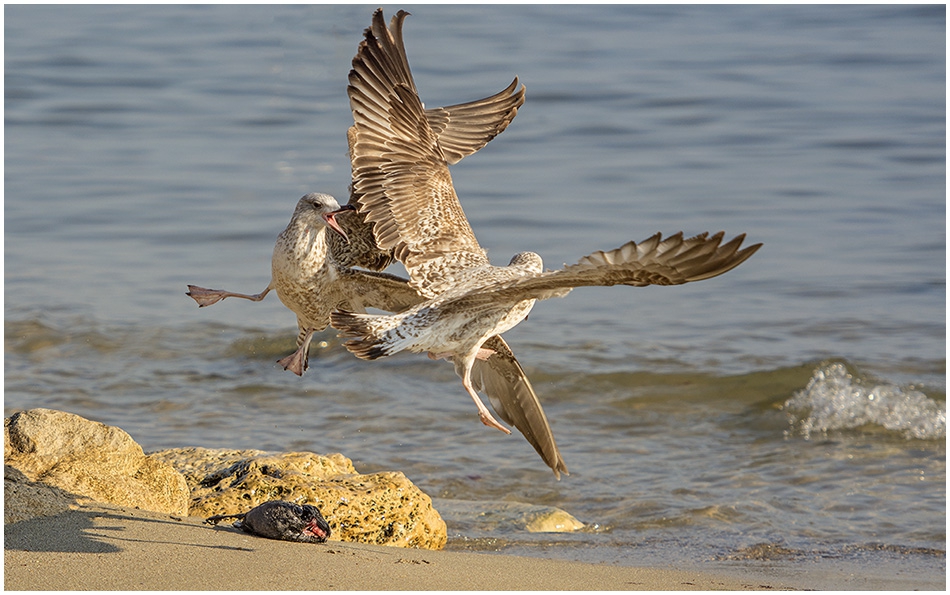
[{"x": 787, "y": 415}]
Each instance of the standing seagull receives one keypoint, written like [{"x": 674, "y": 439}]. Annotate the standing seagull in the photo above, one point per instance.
[{"x": 405, "y": 190}]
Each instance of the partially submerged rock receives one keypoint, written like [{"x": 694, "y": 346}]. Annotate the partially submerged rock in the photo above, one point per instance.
[
  {"x": 493, "y": 517},
  {"x": 379, "y": 508},
  {"x": 88, "y": 458}
]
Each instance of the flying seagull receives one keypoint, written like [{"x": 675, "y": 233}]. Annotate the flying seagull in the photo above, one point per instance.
[
  {"x": 313, "y": 273},
  {"x": 313, "y": 270},
  {"x": 405, "y": 191}
]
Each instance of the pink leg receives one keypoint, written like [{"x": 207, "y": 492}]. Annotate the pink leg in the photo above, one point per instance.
[
  {"x": 206, "y": 297},
  {"x": 484, "y": 353},
  {"x": 483, "y": 413},
  {"x": 299, "y": 360}
]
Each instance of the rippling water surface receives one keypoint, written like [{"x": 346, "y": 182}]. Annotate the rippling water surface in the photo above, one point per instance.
[{"x": 792, "y": 410}]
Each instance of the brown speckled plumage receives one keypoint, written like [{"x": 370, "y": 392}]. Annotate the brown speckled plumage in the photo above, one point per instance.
[
  {"x": 314, "y": 272},
  {"x": 449, "y": 132},
  {"x": 460, "y": 131},
  {"x": 311, "y": 266},
  {"x": 404, "y": 189},
  {"x": 493, "y": 300},
  {"x": 401, "y": 179},
  {"x": 310, "y": 282}
]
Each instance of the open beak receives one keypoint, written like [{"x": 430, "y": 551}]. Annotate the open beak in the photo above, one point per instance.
[
  {"x": 330, "y": 218},
  {"x": 313, "y": 528}
]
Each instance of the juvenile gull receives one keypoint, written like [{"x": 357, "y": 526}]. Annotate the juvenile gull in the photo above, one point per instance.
[
  {"x": 279, "y": 519},
  {"x": 313, "y": 272},
  {"x": 487, "y": 300},
  {"x": 405, "y": 190},
  {"x": 500, "y": 375},
  {"x": 310, "y": 282},
  {"x": 460, "y": 130}
]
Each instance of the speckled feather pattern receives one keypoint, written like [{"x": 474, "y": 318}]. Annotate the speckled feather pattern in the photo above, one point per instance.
[
  {"x": 390, "y": 161},
  {"x": 401, "y": 168},
  {"x": 315, "y": 271},
  {"x": 435, "y": 326},
  {"x": 311, "y": 283},
  {"x": 314, "y": 268},
  {"x": 495, "y": 299},
  {"x": 405, "y": 191}
]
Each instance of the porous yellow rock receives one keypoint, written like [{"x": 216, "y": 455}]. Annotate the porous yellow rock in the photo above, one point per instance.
[{"x": 379, "y": 508}]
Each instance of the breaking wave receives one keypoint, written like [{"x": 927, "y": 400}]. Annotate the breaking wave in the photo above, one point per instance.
[{"x": 835, "y": 400}]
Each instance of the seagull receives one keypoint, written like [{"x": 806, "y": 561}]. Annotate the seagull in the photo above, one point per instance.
[
  {"x": 310, "y": 282},
  {"x": 453, "y": 129},
  {"x": 313, "y": 273},
  {"x": 405, "y": 191},
  {"x": 488, "y": 300},
  {"x": 307, "y": 259}
]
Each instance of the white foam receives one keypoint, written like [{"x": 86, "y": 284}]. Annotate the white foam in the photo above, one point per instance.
[{"x": 834, "y": 400}]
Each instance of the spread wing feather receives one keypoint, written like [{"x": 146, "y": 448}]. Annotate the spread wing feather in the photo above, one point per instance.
[
  {"x": 655, "y": 261},
  {"x": 460, "y": 130},
  {"x": 465, "y": 128},
  {"x": 514, "y": 400},
  {"x": 400, "y": 169}
]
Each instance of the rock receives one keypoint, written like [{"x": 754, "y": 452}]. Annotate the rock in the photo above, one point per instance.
[
  {"x": 379, "y": 508},
  {"x": 23, "y": 499},
  {"x": 553, "y": 520},
  {"x": 88, "y": 459},
  {"x": 91, "y": 459},
  {"x": 198, "y": 464},
  {"x": 478, "y": 517}
]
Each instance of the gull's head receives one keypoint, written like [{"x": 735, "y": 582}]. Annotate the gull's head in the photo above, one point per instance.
[
  {"x": 318, "y": 209},
  {"x": 529, "y": 261},
  {"x": 315, "y": 528}
]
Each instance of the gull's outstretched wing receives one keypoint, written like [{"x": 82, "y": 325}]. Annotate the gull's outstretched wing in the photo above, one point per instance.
[
  {"x": 655, "y": 261},
  {"x": 400, "y": 169},
  {"x": 465, "y": 128},
  {"x": 514, "y": 400}
]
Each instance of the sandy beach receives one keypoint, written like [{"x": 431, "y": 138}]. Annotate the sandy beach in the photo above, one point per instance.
[
  {"x": 61, "y": 534},
  {"x": 782, "y": 427},
  {"x": 101, "y": 547}
]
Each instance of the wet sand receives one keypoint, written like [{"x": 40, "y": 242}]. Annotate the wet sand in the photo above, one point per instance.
[{"x": 101, "y": 547}]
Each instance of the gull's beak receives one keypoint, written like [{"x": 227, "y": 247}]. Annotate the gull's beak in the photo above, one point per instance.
[{"x": 330, "y": 218}]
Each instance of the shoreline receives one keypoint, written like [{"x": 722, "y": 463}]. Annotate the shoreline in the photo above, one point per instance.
[
  {"x": 96, "y": 547},
  {"x": 64, "y": 536}
]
